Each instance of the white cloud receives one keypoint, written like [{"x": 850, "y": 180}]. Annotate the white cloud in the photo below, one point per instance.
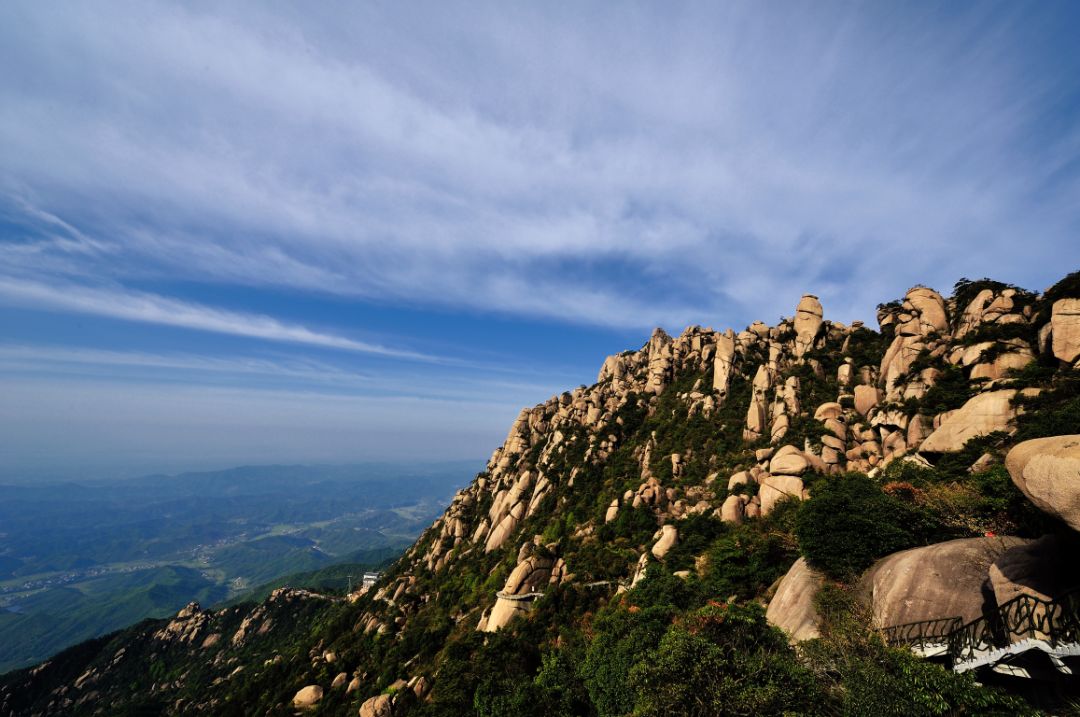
[
  {"x": 507, "y": 159},
  {"x": 155, "y": 309}
]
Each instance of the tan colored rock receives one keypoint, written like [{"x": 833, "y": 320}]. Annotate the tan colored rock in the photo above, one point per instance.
[
  {"x": 982, "y": 414},
  {"x": 377, "y": 706},
  {"x": 502, "y": 613},
  {"x": 779, "y": 428},
  {"x": 723, "y": 361},
  {"x": 755, "y": 419},
  {"x": 828, "y": 410},
  {"x": 837, "y": 427},
  {"x": 740, "y": 478},
  {"x": 792, "y": 607},
  {"x": 354, "y": 684},
  {"x": 832, "y": 442},
  {"x": 1047, "y": 471},
  {"x": 808, "y": 320},
  {"x": 776, "y": 488},
  {"x": 866, "y": 398},
  {"x": 1001, "y": 365},
  {"x": 667, "y": 536},
  {"x": 1065, "y": 331},
  {"x": 917, "y": 432},
  {"x": 941, "y": 580},
  {"x": 612, "y": 511},
  {"x": 930, "y": 308},
  {"x": 307, "y": 697},
  {"x": 844, "y": 375},
  {"x": 660, "y": 362},
  {"x": 339, "y": 681},
  {"x": 505, "y": 528},
  {"x": 734, "y": 509},
  {"x": 789, "y": 460}
]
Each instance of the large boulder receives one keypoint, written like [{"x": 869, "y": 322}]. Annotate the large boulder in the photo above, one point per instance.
[
  {"x": 307, "y": 697},
  {"x": 982, "y": 414},
  {"x": 1047, "y": 471},
  {"x": 936, "y": 581},
  {"x": 734, "y": 509},
  {"x": 790, "y": 461},
  {"x": 792, "y": 607},
  {"x": 866, "y": 398},
  {"x": 1065, "y": 323},
  {"x": 777, "y": 488},
  {"x": 377, "y": 706},
  {"x": 667, "y": 536}
]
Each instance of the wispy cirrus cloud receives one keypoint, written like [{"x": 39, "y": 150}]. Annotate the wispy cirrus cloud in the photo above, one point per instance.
[
  {"x": 155, "y": 309},
  {"x": 663, "y": 166}
]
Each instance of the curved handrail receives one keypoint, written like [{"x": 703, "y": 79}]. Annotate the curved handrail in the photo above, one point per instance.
[{"x": 1025, "y": 617}]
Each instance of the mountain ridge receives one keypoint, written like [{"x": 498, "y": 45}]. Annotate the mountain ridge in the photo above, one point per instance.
[{"x": 677, "y": 489}]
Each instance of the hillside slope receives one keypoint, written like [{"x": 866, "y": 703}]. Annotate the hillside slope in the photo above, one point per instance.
[{"x": 617, "y": 554}]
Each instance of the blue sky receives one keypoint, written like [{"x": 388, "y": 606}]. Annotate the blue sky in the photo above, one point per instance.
[{"x": 269, "y": 232}]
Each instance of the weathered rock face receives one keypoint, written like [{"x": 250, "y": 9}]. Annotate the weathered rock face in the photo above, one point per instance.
[
  {"x": 659, "y": 362},
  {"x": 1047, "y": 471},
  {"x": 535, "y": 570},
  {"x": 792, "y": 608},
  {"x": 942, "y": 580},
  {"x": 665, "y": 541},
  {"x": 777, "y": 488},
  {"x": 866, "y": 398},
  {"x": 723, "y": 362},
  {"x": 982, "y": 414},
  {"x": 808, "y": 320},
  {"x": 1065, "y": 323},
  {"x": 921, "y": 319},
  {"x": 377, "y": 706},
  {"x": 789, "y": 461}
]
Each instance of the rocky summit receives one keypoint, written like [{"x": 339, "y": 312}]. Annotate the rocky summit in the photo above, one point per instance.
[{"x": 804, "y": 518}]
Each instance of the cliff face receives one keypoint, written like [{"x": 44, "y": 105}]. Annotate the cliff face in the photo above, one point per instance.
[{"x": 677, "y": 447}]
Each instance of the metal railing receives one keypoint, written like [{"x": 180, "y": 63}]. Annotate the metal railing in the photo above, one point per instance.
[{"x": 1023, "y": 622}]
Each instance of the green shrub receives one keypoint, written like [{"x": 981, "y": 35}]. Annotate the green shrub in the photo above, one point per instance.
[
  {"x": 723, "y": 660},
  {"x": 850, "y": 522}
]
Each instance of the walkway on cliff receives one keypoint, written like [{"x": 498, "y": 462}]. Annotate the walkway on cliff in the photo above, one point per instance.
[{"x": 1019, "y": 638}]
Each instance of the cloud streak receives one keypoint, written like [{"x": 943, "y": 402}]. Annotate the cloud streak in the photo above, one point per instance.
[{"x": 154, "y": 309}]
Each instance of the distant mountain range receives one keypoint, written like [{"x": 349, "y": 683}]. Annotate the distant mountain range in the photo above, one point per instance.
[{"x": 81, "y": 559}]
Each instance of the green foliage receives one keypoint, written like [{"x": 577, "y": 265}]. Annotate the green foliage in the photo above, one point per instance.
[
  {"x": 850, "y": 522},
  {"x": 1052, "y": 412},
  {"x": 745, "y": 561},
  {"x": 723, "y": 660},
  {"x": 865, "y": 677},
  {"x": 621, "y": 637},
  {"x": 951, "y": 390},
  {"x": 866, "y": 347},
  {"x": 1067, "y": 288}
]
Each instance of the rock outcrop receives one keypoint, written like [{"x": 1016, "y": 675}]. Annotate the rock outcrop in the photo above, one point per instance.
[
  {"x": 808, "y": 320},
  {"x": 1065, "y": 329},
  {"x": 1047, "y": 471},
  {"x": 981, "y": 415},
  {"x": 936, "y": 581},
  {"x": 792, "y": 607}
]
